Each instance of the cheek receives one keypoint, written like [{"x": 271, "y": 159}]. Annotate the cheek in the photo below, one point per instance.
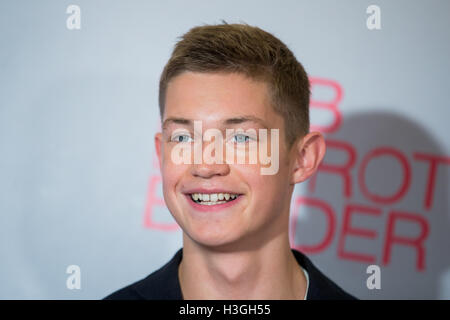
[
  {"x": 171, "y": 178},
  {"x": 267, "y": 191},
  {"x": 261, "y": 186},
  {"x": 268, "y": 188},
  {"x": 171, "y": 174}
]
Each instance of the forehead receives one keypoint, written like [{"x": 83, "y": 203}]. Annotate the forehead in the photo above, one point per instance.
[{"x": 217, "y": 96}]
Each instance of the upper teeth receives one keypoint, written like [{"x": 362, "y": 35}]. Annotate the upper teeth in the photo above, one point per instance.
[{"x": 213, "y": 196}]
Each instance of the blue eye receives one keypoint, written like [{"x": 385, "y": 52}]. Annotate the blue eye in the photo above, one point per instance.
[
  {"x": 181, "y": 138},
  {"x": 241, "y": 138}
]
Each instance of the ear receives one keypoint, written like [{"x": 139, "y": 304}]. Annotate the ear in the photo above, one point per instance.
[
  {"x": 158, "y": 146},
  {"x": 308, "y": 153}
]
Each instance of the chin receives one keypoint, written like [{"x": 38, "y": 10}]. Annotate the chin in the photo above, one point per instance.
[{"x": 213, "y": 239}]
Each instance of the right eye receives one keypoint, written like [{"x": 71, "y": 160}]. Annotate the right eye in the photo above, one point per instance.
[{"x": 181, "y": 138}]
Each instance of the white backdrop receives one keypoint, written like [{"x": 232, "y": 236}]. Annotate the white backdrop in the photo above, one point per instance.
[{"x": 78, "y": 111}]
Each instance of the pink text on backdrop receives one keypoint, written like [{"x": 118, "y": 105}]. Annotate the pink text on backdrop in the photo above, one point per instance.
[{"x": 346, "y": 172}]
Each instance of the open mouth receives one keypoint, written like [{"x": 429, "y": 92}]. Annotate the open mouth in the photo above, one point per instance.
[{"x": 210, "y": 199}]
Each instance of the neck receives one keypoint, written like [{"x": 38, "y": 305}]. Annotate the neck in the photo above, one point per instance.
[{"x": 266, "y": 273}]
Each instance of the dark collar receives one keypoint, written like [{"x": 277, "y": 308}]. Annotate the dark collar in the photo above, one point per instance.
[{"x": 164, "y": 284}]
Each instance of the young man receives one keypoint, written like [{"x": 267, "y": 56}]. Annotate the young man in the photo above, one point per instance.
[{"x": 246, "y": 87}]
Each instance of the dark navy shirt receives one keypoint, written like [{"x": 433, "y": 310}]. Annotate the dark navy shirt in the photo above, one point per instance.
[{"x": 163, "y": 284}]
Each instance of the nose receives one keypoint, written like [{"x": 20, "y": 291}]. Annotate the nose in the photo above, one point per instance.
[
  {"x": 208, "y": 166},
  {"x": 207, "y": 171}
]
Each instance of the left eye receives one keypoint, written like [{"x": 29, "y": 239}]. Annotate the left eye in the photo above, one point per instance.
[
  {"x": 182, "y": 138},
  {"x": 241, "y": 138}
]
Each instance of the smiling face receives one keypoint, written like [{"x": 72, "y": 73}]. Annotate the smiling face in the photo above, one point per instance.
[{"x": 261, "y": 207}]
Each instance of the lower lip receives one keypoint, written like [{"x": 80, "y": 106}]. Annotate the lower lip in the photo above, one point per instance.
[{"x": 214, "y": 207}]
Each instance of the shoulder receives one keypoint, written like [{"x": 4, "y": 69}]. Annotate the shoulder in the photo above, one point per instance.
[
  {"x": 320, "y": 286},
  {"x": 162, "y": 284},
  {"x": 127, "y": 293}
]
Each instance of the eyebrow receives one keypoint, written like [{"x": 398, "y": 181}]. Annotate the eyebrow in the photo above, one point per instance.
[{"x": 229, "y": 121}]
